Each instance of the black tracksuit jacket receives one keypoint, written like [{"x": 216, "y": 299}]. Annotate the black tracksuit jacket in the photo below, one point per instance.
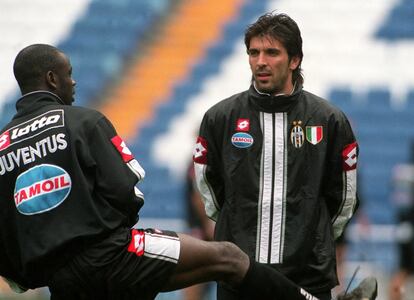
[
  {"x": 66, "y": 181},
  {"x": 278, "y": 174}
]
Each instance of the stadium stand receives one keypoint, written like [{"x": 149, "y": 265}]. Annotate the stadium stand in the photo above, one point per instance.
[
  {"x": 382, "y": 124},
  {"x": 399, "y": 24},
  {"x": 107, "y": 37},
  {"x": 26, "y": 22},
  {"x": 100, "y": 42},
  {"x": 181, "y": 43},
  {"x": 207, "y": 66},
  {"x": 375, "y": 121},
  {"x": 160, "y": 60},
  {"x": 190, "y": 45}
]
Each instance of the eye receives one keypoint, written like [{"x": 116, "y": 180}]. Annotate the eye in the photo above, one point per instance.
[
  {"x": 272, "y": 52},
  {"x": 253, "y": 52}
]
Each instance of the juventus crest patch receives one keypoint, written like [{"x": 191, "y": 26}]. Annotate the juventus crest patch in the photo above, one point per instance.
[{"x": 296, "y": 134}]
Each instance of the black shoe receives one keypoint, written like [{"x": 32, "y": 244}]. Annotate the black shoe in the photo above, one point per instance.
[{"x": 366, "y": 290}]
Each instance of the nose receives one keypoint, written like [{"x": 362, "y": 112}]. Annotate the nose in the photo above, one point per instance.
[{"x": 261, "y": 59}]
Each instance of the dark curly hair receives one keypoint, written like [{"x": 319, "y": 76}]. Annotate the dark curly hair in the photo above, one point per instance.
[
  {"x": 33, "y": 62},
  {"x": 283, "y": 28}
]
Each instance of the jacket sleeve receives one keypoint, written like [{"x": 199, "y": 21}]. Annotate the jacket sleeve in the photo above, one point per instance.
[
  {"x": 341, "y": 173},
  {"x": 9, "y": 272},
  {"x": 206, "y": 157},
  {"x": 116, "y": 170}
]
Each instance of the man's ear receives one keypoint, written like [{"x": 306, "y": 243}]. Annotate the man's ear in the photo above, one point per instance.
[
  {"x": 294, "y": 62},
  {"x": 51, "y": 79}
]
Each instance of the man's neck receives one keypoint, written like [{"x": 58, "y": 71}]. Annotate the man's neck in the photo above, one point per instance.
[{"x": 276, "y": 94}]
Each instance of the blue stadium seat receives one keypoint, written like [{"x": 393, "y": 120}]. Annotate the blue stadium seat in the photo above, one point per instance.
[
  {"x": 409, "y": 104},
  {"x": 341, "y": 97},
  {"x": 399, "y": 24},
  {"x": 384, "y": 136},
  {"x": 379, "y": 97},
  {"x": 105, "y": 38}
]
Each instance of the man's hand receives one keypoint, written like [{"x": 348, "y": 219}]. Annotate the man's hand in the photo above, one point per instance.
[{"x": 17, "y": 288}]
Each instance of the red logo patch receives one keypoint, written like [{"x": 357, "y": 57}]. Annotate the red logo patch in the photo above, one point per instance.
[
  {"x": 350, "y": 156},
  {"x": 243, "y": 125},
  {"x": 122, "y": 148},
  {"x": 200, "y": 151},
  {"x": 4, "y": 140},
  {"x": 137, "y": 242}
]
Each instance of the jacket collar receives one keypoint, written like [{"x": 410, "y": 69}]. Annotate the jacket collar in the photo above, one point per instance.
[
  {"x": 33, "y": 100},
  {"x": 274, "y": 103}
]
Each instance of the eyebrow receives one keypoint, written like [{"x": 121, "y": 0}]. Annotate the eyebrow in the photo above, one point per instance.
[{"x": 269, "y": 49}]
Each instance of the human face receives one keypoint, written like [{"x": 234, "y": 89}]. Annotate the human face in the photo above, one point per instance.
[
  {"x": 65, "y": 85},
  {"x": 270, "y": 64}
]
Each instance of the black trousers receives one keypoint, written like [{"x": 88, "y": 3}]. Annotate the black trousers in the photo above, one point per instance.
[
  {"x": 225, "y": 292},
  {"x": 117, "y": 268}
]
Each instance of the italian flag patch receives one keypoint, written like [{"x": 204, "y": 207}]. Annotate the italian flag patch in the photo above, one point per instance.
[{"x": 314, "y": 134}]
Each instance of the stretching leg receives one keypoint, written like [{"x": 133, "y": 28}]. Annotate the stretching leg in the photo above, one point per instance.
[{"x": 202, "y": 261}]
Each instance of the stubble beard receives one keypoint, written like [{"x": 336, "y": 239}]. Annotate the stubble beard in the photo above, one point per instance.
[{"x": 272, "y": 88}]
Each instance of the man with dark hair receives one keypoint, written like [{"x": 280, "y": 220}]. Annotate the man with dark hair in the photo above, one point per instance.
[
  {"x": 276, "y": 166},
  {"x": 34, "y": 62},
  {"x": 69, "y": 201},
  {"x": 282, "y": 28}
]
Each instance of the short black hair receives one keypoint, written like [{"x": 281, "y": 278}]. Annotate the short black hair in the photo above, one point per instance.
[
  {"x": 283, "y": 28},
  {"x": 33, "y": 62}
]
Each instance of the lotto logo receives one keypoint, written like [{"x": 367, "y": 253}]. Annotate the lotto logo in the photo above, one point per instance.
[
  {"x": 137, "y": 242},
  {"x": 200, "y": 151},
  {"x": 4, "y": 140},
  {"x": 350, "y": 156},
  {"x": 32, "y": 127},
  {"x": 122, "y": 148},
  {"x": 243, "y": 125}
]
